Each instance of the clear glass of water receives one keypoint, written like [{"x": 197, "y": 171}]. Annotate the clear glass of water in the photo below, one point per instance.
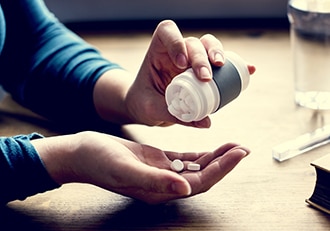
[{"x": 310, "y": 42}]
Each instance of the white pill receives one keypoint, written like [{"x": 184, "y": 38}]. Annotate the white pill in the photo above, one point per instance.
[
  {"x": 176, "y": 94},
  {"x": 176, "y": 104},
  {"x": 193, "y": 167},
  {"x": 184, "y": 107},
  {"x": 172, "y": 110},
  {"x": 188, "y": 100},
  {"x": 190, "y": 103},
  {"x": 177, "y": 165},
  {"x": 186, "y": 117},
  {"x": 183, "y": 94}
]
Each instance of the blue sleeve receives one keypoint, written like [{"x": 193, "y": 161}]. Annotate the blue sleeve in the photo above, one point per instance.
[
  {"x": 22, "y": 172},
  {"x": 45, "y": 66}
]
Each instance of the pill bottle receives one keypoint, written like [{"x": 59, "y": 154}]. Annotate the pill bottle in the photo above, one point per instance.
[{"x": 190, "y": 99}]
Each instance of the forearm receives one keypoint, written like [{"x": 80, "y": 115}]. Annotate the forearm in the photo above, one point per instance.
[{"x": 109, "y": 96}]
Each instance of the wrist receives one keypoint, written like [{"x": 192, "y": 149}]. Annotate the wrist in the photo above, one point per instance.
[
  {"x": 58, "y": 154},
  {"x": 110, "y": 95}
]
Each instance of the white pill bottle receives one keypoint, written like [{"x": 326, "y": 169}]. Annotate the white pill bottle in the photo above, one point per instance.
[{"x": 189, "y": 99}]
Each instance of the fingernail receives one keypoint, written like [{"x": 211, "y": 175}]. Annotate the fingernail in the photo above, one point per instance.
[
  {"x": 219, "y": 58},
  {"x": 251, "y": 69},
  {"x": 204, "y": 73},
  {"x": 181, "y": 61},
  {"x": 245, "y": 151}
]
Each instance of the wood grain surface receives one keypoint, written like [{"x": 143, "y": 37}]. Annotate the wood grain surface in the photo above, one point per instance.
[{"x": 259, "y": 194}]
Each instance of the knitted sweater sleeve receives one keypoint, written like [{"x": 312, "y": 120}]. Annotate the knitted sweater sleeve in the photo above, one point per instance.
[
  {"x": 50, "y": 70},
  {"x": 22, "y": 172},
  {"x": 47, "y": 67}
]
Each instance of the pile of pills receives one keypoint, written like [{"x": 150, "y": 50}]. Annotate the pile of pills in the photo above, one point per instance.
[
  {"x": 177, "y": 166},
  {"x": 182, "y": 105}
]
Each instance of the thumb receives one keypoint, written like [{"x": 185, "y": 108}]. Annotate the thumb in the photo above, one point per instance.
[
  {"x": 165, "y": 181},
  {"x": 154, "y": 185}
]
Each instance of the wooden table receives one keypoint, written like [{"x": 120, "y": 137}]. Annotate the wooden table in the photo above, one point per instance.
[{"x": 259, "y": 194}]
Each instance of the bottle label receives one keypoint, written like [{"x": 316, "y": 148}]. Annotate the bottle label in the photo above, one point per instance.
[{"x": 228, "y": 81}]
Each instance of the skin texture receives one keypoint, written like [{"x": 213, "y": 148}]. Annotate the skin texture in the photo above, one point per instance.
[
  {"x": 141, "y": 99},
  {"x": 132, "y": 169},
  {"x": 129, "y": 168}
]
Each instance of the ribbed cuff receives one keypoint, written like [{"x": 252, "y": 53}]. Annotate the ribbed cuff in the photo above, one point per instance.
[{"x": 22, "y": 172}]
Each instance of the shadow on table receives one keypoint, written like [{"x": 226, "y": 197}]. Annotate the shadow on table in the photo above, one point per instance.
[{"x": 129, "y": 215}]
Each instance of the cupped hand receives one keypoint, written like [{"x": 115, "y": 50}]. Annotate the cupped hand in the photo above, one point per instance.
[
  {"x": 168, "y": 55},
  {"x": 135, "y": 170}
]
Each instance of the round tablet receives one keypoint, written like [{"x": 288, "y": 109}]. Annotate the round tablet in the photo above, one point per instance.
[{"x": 177, "y": 165}]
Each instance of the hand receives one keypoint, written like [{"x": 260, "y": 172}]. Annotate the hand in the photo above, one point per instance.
[
  {"x": 168, "y": 55},
  {"x": 120, "y": 98},
  {"x": 131, "y": 169}
]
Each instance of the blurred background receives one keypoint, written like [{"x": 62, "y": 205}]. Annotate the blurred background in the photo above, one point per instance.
[{"x": 191, "y": 13}]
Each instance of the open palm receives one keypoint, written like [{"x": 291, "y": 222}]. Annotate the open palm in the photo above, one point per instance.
[{"x": 143, "y": 172}]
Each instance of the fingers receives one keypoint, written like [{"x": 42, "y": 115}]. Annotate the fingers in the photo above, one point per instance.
[
  {"x": 162, "y": 185},
  {"x": 154, "y": 185},
  {"x": 162, "y": 182},
  {"x": 204, "y": 123},
  {"x": 203, "y": 158},
  {"x": 219, "y": 169},
  {"x": 251, "y": 69},
  {"x": 214, "y": 49},
  {"x": 170, "y": 36},
  {"x": 198, "y": 58},
  {"x": 215, "y": 171},
  {"x": 214, "y": 165},
  {"x": 196, "y": 52},
  {"x": 203, "y": 51},
  {"x": 214, "y": 156}
]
